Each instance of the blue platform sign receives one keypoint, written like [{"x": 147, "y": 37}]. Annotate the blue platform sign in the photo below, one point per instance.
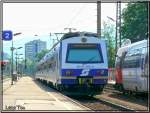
[{"x": 7, "y": 35}]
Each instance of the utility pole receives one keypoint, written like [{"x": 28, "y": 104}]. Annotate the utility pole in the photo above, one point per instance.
[
  {"x": 12, "y": 67},
  {"x": 70, "y": 29},
  {"x": 17, "y": 57},
  {"x": 118, "y": 25},
  {"x": 16, "y": 61},
  {"x": 53, "y": 40},
  {"x": 50, "y": 34},
  {"x": 19, "y": 70},
  {"x": 12, "y": 49},
  {"x": 99, "y": 19}
]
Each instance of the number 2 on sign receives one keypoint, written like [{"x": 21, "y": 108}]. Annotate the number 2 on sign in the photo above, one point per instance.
[{"x": 7, "y": 35}]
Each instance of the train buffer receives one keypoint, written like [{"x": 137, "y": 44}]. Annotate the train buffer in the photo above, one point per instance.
[{"x": 28, "y": 94}]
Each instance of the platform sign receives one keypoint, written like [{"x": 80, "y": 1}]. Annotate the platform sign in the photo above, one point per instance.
[{"x": 7, "y": 35}]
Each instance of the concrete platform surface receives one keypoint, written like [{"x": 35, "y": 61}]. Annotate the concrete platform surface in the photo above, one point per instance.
[{"x": 28, "y": 94}]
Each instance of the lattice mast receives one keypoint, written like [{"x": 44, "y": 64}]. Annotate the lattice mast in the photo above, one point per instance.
[{"x": 118, "y": 25}]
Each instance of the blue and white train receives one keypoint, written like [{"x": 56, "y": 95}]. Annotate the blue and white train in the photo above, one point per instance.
[{"x": 78, "y": 63}]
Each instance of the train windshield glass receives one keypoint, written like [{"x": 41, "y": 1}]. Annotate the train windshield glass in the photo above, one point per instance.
[{"x": 84, "y": 54}]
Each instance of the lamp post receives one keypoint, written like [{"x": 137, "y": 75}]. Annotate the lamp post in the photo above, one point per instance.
[
  {"x": 20, "y": 70},
  {"x": 12, "y": 49},
  {"x": 17, "y": 58}
]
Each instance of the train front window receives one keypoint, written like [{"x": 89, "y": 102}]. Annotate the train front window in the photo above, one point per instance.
[{"x": 84, "y": 54}]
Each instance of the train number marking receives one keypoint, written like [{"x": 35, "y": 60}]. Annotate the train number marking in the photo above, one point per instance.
[{"x": 85, "y": 72}]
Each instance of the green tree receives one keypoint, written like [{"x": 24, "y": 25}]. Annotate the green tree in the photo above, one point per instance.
[
  {"x": 109, "y": 33},
  {"x": 40, "y": 55},
  {"x": 30, "y": 66},
  {"x": 135, "y": 21}
]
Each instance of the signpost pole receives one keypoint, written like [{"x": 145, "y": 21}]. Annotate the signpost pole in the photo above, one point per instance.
[
  {"x": 12, "y": 63},
  {"x": 7, "y": 36}
]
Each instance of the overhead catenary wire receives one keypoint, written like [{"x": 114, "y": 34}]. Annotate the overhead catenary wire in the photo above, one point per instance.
[{"x": 75, "y": 16}]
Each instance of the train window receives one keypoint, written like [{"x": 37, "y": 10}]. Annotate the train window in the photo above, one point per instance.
[
  {"x": 129, "y": 64},
  {"x": 144, "y": 50},
  {"x": 132, "y": 59},
  {"x": 84, "y": 54}
]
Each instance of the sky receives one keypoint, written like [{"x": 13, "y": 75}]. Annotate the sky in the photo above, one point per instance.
[{"x": 41, "y": 19}]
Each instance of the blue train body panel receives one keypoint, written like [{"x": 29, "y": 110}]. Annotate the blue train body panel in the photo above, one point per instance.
[{"x": 91, "y": 72}]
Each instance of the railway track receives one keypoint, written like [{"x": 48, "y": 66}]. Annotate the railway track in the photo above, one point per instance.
[
  {"x": 110, "y": 88},
  {"x": 132, "y": 98},
  {"x": 97, "y": 104}
]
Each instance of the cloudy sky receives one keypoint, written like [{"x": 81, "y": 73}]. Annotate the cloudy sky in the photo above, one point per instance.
[{"x": 41, "y": 19}]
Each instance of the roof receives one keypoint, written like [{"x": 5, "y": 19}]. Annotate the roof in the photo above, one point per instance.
[
  {"x": 77, "y": 34},
  {"x": 125, "y": 48}
]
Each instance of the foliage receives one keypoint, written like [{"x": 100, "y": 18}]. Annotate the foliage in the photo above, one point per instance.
[
  {"x": 108, "y": 33},
  {"x": 30, "y": 65},
  {"x": 135, "y": 21},
  {"x": 40, "y": 55}
]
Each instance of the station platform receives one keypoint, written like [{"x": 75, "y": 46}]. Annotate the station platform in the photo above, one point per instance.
[{"x": 28, "y": 94}]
